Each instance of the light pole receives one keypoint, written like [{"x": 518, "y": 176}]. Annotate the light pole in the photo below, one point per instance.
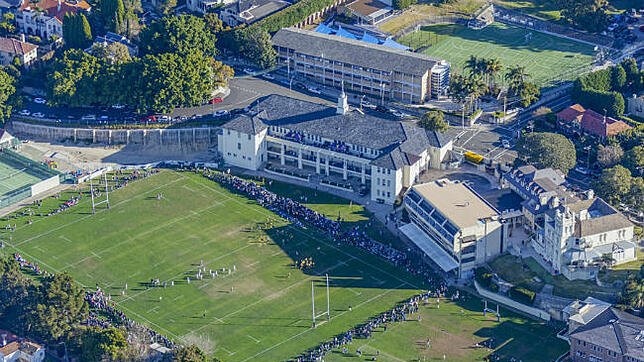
[
  {"x": 361, "y": 99},
  {"x": 382, "y": 94},
  {"x": 587, "y": 149},
  {"x": 288, "y": 67},
  {"x": 290, "y": 84}
]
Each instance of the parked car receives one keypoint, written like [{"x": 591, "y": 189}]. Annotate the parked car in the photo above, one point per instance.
[
  {"x": 367, "y": 104},
  {"x": 89, "y": 117},
  {"x": 24, "y": 112},
  {"x": 268, "y": 76},
  {"x": 249, "y": 71},
  {"x": 220, "y": 113},
  {"x": 118, "y": 106},
  {"x": 382, "y": 109},
  {"x": 314, "y": 90},
  {"x": 215, "y": 100},
  {"x": 505, "y": 143},
  {"x": 38, "y": 115},
  {"x": 164, "y": 118},
  {"x": 40, "y": 100},
  {"x": 149, "y": 119},
  {"x": 103, "y": 118},
  {"x": 582, "y": 170}
]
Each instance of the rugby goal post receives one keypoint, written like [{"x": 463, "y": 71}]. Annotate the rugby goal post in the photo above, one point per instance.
[
  {"x": 95, "y": 202},
  {"x": 328, "y": 310}
]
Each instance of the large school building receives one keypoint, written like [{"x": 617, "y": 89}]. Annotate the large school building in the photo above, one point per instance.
[
  {"x": 337, "y": 146},
  {"x": 383, "y": 72}
]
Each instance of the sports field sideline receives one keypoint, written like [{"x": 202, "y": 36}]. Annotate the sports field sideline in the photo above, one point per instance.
[
  {"x": 547, "y": 58},
  {"x": 261, "y": 310}
]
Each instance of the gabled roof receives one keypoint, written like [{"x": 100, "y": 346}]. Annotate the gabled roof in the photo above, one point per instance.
[
  {"x": 615, "y": 330},
  {"x": 352, "y": 51},
  {"x": 571, "y": 113},
  {"x": 598, "y": 125},
  {"x": 14, "y": 46},
  {"x": 51, "y": 7}
]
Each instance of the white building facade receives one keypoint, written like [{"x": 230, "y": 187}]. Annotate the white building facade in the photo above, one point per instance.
[{"x": 338, "y": 147}]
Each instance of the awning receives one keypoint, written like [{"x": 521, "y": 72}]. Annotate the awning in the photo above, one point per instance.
[{"x": 429, "y": 247}]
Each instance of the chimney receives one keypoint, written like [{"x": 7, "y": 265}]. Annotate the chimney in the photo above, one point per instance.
[
  {"x": 4, "y": 339},
  {"x": 343, "y": 103},
  {"x": 590, "y": 194},
  {"x": 58, "y": 7},
  {"x": 22, "y": 38}
]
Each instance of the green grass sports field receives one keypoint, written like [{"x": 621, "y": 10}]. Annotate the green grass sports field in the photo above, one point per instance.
[
  {"x": 261, "y": 310},
  {"x": 547, "y": 58}
]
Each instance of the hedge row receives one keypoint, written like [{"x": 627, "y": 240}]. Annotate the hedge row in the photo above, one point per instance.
[
  {"x": 292, "y": 15},
  {"x": 594, "y": 91},
  {"x": 484, "y": 278},
  {"x": 522, "y": 295}
]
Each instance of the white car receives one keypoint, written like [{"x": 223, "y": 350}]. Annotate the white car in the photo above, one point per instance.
[
  {"x": 118, "y": 106},
  {"x": 314, "y": 90},
  {"x": 505, "y": 143},
  {"x": 268, "y": 76},
  {"x": 249, "y": 71},
  {"x": 89, "y": 117},
  {"x": 38, "y": 115},
  {"x": 24, "y": 112},
  {"x": 367, "y": 104},
  {"x": 582, "y": 170},
  {"x": 220, "y": 113},
  {"x": 40, "y": 100}
]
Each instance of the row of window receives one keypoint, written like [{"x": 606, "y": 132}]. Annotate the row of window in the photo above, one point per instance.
[
  {"x": 243, "y": 157},
  {"x": 378, "y": 193}
]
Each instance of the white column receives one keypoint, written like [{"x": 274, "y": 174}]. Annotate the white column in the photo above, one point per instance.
[
  {"x": 161, "y": 136},
  {"x": 299, "y": 158},
  {"x": 344, "y": 170},
  {"x": 363, "y": 175},
  {"x": 317, "y": 162},
  {"x": 326, "y": 168},
  {"x": 282, "y": 152}
]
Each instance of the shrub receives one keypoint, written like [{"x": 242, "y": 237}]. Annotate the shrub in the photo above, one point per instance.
[{"x": 522, "y": 295}]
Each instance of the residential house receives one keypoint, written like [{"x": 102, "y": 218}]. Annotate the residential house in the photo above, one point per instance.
[
  {"x": 45, "y": 17},
  {"x": 361, "y": 67},
  {"x": 111, "y": 38},
  {"x": 11, "y": 48},
  {"x": 203, "y": 6},
  {"x": 15, "y": 349},
  {"x": 576, "y": 119},
  {"x": 598, "y": 332},
  {"x": 453, "y": 225},
  {"x": 348, "y": 148},
  {"x": 636, "y": 106},
  {"x": 250, "y": 11},
  {"x": 369, "y": 12}
]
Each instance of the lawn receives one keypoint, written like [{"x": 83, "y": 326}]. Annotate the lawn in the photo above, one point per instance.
[
  {"x": 547, "y": 58},
  {"x": 523, "y": 273},
  {"x": 419, "y": 12},
  {"x": 514, "y": 336},
  {"x": 551, "y": 10},
  {"x": 261, "y": 311}
]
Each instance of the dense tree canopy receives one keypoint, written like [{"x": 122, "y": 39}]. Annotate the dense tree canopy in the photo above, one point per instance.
[
  {"x": 547, "y": 150},
  {"x": 609, "y": 156},
  {"x": 614, "y": 184},
  {"x": 634, "y": 160},
  {"x": 76, "y": 31},
  {"x": 434, "y": 121},
  {"x": 112, "y": 15},
  {"x": 102, "y": 344},
  {"x": 586, "y": 14},
  {"x": 181, "y": 34},
  {"x": 256, "y": 46},
  {"x": 7, "y": 89}
]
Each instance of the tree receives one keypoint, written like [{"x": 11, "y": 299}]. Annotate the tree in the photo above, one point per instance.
[
  {"x": 545, "y": 149},
  {"x": 617, "y": 77},
  {"x": 492, "y": 68},
  {"x": 7, "y": 89},
  {"x": 191, "y": 353},
  {"x": 97, "y": 344},
  {"x": 214, "y": 24},
  {"x": 614, "y": 184},
  {"x": 8, "y": 24},
  {"x": 166, "y": 6},
  {"x": 16, "y": 294},
  {"x": 112, "y": 14},
  {"x": 475, "y": 87},
  {"x": 182, "y": 34},
  {"x": 633, "y": 295},
  {"x": 634, "y": 160},
  {"x": 516, "y": 76},
  {"x": 529, "y": 93},
  {"x": 76, "y": 31},
  {"x": 609, "y": 156},
  {"x": 403, "y": 4},
  {"x": 257, "y": 46},
  {"x": 633, "y": 75},
  {"x": 434, "y": 121},
  {"x": 586, "y": 14},
  {"x": 112, "y": 53},
  {"x": 73, "y": 78},
  {"x": 458, "y": 91},
  {"x": 60, "y": 309}
]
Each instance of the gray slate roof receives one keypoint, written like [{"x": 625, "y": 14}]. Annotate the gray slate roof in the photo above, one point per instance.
[
  {"x": 353, "y": 51},
  {"x": 401, "y": 141},
  {"x": 614, "y": 330}
]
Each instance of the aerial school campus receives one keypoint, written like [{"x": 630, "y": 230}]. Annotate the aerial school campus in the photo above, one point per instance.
[{"x": 379, "y": 181}]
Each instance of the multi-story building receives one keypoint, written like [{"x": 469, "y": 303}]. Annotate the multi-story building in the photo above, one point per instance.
[
  {"x": 636, "y": 105},
  {"x": 44, "y": 18},
  {"x": 349, "y": 148},
  {"x": 598, "y": 332},
  {"x": 383, "y": 72},
  {"x": 453, "y": 225},
  {"x": 574, "y": 233},
  {"x": 11, "y": 49},
  {"x": 247, "y": 12},
  {"x": 15, "y": 349}
]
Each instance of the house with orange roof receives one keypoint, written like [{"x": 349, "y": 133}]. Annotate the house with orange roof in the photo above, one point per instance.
[
  {"x": 11, "y": 49},
  {"x": 14, "y": 349},
  {"x": 45, "y": 17},
  {"x": 577, "y": 119}
]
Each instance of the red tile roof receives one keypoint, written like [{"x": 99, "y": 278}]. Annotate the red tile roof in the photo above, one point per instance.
[
  {"x": 571, "y": 113},
  {"x": 15, "y": 46},
  {"x": 51, "y": 7},
  {"x": 593, "y": 123},
  {"x": 10, "y": 348}
]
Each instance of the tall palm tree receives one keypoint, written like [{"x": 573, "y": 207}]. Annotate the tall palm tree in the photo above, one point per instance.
[
  {"x": 472, "y": 64},
  {"x": 516, "y": 76},
  {"x": 492, "y": 68},
  {"x": 475, "y": 88}
]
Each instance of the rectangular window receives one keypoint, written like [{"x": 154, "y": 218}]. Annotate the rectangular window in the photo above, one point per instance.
[
  {"x": 388, "y": 194},
  {"x": 378, "y": 192},
  {"x": 388, "y": 183},
  {"x": 249, "y": 137},
  {"x": 238, "y": 146}
]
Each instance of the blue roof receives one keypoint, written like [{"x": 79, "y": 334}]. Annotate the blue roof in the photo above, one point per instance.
[
  {"x": 370, "y": 38},
  {"x": 345, "y": 34},
  {"x": 324, "y": 29},
  {"x": 393, "y": 44}
]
